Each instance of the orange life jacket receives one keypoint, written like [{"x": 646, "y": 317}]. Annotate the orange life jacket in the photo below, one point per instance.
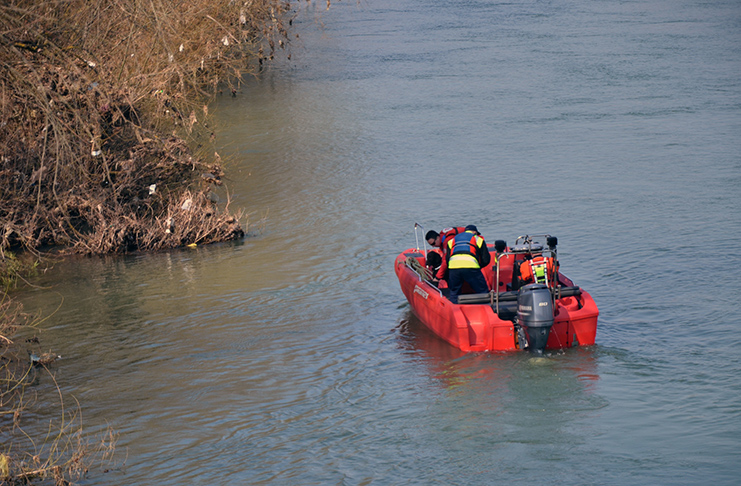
[{"x": 539, "y": 269}]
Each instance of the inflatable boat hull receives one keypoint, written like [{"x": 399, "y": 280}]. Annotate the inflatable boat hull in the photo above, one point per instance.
[{"x": 476, "y": 327}]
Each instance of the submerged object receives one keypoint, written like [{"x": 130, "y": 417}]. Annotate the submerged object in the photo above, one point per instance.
[
  {"x": 532, "y": 305},
  {"x": 44, "y": 359}
]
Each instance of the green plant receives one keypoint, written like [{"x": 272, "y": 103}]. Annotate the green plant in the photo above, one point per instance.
[{"x": 12, "y": 270}]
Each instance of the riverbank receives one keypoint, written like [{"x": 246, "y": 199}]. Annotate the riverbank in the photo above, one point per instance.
[
  {"x": 106, "y": 146},
  {"x": 106, "y": 143}
]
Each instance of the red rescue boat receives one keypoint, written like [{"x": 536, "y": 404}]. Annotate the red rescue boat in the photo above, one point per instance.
[{"x": 549, "y": 313}]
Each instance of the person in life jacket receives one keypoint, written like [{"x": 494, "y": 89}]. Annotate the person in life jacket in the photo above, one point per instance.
[
  {"x": 438, "y": 240},
  {"x": 539, "y": 269},
  {"x": 465, "y": 255},
  {"x": 435, "y": 258}
]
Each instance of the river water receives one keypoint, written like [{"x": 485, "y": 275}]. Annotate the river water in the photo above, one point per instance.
[{"x": 292, "y": 357}]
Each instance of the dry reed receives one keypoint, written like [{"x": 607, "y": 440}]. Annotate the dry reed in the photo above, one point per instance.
[{"x": 100, "y": 104}]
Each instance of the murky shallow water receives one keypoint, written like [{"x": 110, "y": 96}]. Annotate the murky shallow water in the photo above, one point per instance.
[{"x": 292, "y": 358}]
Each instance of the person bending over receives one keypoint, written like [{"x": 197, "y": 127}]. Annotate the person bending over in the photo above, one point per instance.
[{"x": 465, "y": 255}]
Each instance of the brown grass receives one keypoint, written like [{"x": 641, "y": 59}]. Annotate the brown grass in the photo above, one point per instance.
[{"x": 101, "y": 99}]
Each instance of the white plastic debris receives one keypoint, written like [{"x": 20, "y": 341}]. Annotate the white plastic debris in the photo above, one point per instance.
[{"x": 152, "y": 188}]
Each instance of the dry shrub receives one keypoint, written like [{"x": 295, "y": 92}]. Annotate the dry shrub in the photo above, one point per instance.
[
  {"x": 101, "y": 99},
  {"x": 191, "y": 219}
]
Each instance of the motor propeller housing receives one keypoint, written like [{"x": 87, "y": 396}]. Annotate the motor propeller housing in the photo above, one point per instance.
[{"x": 535, "y": 315}]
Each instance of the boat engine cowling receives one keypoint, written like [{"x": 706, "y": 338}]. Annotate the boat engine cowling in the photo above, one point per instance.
[{"x": 535, "y": 315}]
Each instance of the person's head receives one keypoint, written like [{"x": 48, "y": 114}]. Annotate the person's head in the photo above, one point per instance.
[
  {"x": 472, "y": 228},
  {"x": 434, "y": 260},
  {"x": 433, "y": 238}
]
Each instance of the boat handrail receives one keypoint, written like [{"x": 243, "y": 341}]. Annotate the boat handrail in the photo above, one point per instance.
[
  {"x": 529, "y": 238},
  {"x": 416, "y": 237},
  {"x": 512, "y": 295}
]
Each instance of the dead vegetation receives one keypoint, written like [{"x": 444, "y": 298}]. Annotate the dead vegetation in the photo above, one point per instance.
[
  {"x": 62, "y": 454},
  {"x": 102, "y": 104}
]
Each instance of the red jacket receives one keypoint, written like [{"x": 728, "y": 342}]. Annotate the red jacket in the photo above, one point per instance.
[
  {"x": 445, "y": 235},
  {"x": 449, "y": 233}
]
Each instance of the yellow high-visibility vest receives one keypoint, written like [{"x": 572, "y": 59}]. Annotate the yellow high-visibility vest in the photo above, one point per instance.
[{"x": 466, "y": 258}]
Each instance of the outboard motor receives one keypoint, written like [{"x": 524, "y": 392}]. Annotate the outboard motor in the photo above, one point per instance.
[{"x": 535, "y": 315}]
